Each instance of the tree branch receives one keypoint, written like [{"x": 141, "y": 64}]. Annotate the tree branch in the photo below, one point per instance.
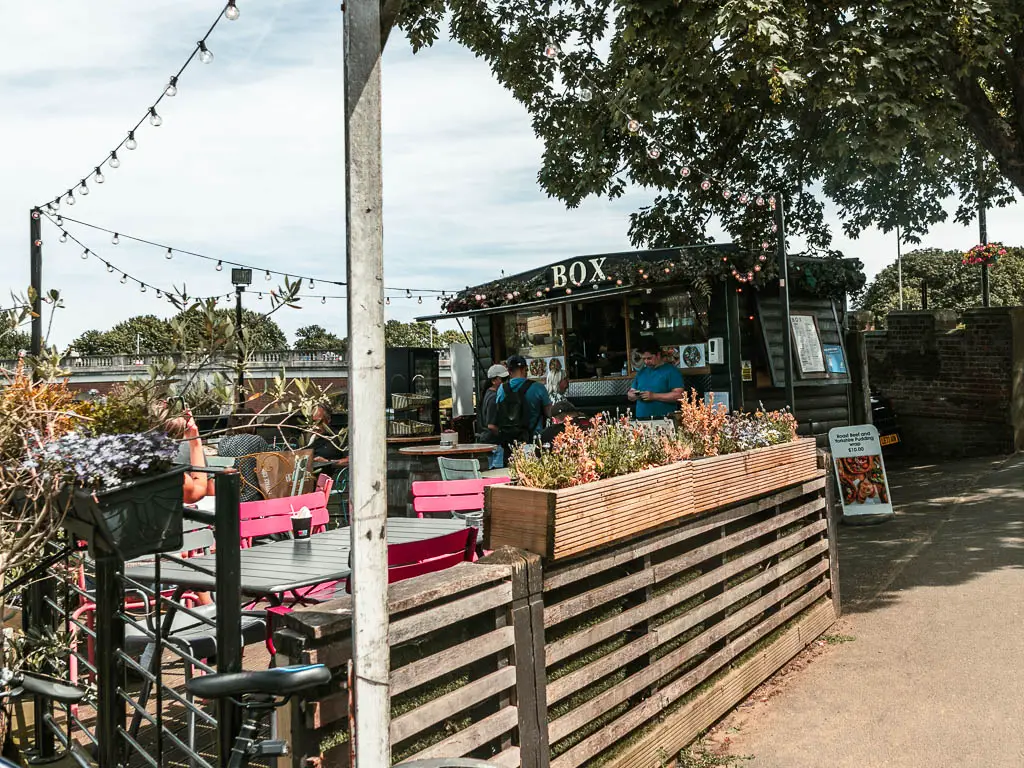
[{"x": 992, "y": 131}]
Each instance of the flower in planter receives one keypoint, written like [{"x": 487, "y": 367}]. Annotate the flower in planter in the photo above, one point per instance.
[{"x": 104, "y": 461}]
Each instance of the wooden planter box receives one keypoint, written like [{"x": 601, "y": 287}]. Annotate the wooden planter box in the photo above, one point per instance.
[{"x": 567, "y": 522}]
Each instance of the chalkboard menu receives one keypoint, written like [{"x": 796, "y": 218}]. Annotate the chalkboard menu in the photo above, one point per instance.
[{"x": 807, "y": 345}]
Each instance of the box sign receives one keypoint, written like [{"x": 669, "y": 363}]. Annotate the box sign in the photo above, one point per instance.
[
  {"x": 860, "y": 471},
  {"x": 579, "y": 273}
]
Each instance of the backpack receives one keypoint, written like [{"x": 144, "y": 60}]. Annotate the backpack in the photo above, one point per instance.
[{"x": 514, "y": 423}]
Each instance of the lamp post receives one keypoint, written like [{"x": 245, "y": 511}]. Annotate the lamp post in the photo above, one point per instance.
[
  {"x": 787, "y": 338},
  {"x": 240, "y": 278}
]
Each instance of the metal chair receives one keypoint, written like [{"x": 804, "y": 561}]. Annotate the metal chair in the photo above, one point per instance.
[{"x": 458, "y": 469}]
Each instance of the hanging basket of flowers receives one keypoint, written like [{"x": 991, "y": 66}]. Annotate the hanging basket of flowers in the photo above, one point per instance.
[
  {"x": 125, "y": 493},
  {"x": 985, "y": 253}
]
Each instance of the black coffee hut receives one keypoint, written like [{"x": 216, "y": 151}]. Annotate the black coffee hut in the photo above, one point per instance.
[{"x": 715, "y": 311}]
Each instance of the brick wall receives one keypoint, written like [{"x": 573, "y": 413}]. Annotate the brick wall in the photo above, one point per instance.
[{"x": 956, "y": 391}]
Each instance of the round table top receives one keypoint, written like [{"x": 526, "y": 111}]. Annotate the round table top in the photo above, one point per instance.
[{"x": 462, "y": 449}]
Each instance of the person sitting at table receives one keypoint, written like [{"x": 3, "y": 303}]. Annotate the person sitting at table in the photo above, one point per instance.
[
  {"x": 197, "y": 485},
  {"x": 324, "y": 441},
  {"x": 242, "y": 442}
]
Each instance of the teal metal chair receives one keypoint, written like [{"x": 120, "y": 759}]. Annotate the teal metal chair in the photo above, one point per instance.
[{"x": 459, "y": 469}]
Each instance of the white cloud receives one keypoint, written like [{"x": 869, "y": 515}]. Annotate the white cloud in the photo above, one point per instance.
[{"x": 249, "y": 164}]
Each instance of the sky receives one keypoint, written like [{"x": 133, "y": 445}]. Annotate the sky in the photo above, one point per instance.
[{"x": 249, "y": 162}]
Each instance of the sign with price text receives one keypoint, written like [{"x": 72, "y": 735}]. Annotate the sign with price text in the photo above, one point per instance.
[{"x": 860, "y": 471}]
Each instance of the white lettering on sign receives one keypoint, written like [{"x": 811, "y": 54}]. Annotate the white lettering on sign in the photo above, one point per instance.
[
  {"x": 577, "y": 273},
  {"x": 558, "y": 276}
]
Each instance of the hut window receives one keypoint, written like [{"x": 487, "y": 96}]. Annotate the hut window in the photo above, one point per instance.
[
  {"x": 533, "y": 335},
  {"x": 671, "y": 318}
]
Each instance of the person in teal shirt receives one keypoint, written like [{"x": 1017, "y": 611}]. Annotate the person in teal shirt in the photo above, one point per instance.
[{"x": 658, "y": 386}]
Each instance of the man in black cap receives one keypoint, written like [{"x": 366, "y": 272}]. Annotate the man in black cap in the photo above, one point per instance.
[
  {"x": 561, "y": 411},
  {"x": 523, "y": 405}
]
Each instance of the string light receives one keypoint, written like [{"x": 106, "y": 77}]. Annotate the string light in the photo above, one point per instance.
[
  {"x": 83, "y": 189},
  {"x": 220, "y": 266},
  {"x": 110, "y": 267},
  {"x": 124, "y": 278},
  {"x": 70, "y": 199},
  {"x": 115, "y": 240},
  {"x": 63, "y": 237},
  {"x": 169, "y": 254},
  {"x": 200, "y": 51},
  {"x": 85, "y": 254},
  {"x": 267, "y": 275},
  {"x": 98, "y": 175},
  {"x": 323, "y": 300}
]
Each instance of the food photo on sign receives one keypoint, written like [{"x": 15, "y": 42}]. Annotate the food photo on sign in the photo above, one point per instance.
[{"x": 860, "y": 473}]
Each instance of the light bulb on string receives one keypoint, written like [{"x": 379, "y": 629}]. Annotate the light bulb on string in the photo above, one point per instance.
[
  {"x": 56, "y": 205},
  {"x": 159, "y": 294},
  {"x": 705, "y": 185},
  {"x": 100, "y": 178},
  {"x": 85, "y": 254},
  {"x": 83, "y": 188},
  {"x": 110, "y": 267},
  {"x": 63, "y": 237},
  {"x": 312, "y": 285},
  {"x": 60, "y": 221},
  {"x": 744, "y": 198},
  {"x": 131, "y": 143},
  {"x": 220, "y": 266},
  {"x": 172, "y": 88},
  {"x": 633, "y": 125},
  {"x": 124, "y": 278},
  {"x": 684, "y": 171},
  {"x": 408, "y": 293},
  {"x": 551, "y": 51},
  {"x": 115, "y": 161},
  {"x": 169, "y": 254},
  {"x": 70, "y": 198},
  {"x": 267, "y": 275},
  {"x": 142, "y": 287},
  {"x": 154, "y": 119},
  {"x": 387, "y": 300},
  {"x": 205, "y": 54},
  {"x": 586, "y": 94},
  {"x": 323, "y": 299},
  {"x": 261, "y": 296},
  {"x": 654, "y": 151},
  {"x": 419, "y": 299},
  {"x": 115, "y": 240},
  {"x": 231, "y": 13}
]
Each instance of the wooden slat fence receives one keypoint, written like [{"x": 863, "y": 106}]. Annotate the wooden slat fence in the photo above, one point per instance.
[
  {"x": 636, "y": 632},
  {"x": 460, "y": 642},
  {"x": 618, "y": 658}
]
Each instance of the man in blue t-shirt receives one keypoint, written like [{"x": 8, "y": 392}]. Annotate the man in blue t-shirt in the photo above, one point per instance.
[
  {"x": 658, "y": 386},
  {"x": 537, "y": 399}
]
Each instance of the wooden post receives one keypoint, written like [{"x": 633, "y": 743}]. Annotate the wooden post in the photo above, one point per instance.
[
  {"x": 531, "y": 676},
  {"x": 860, "y": 386},
  {"x": 833, "y": 513},
  {"x": 787, "y": 331},
  {"x": 366, "y": 396}
]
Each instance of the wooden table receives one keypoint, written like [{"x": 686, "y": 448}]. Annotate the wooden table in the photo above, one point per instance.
[
  {"x": 463, "y": 449},
  {"x": 280, "y": 567}
]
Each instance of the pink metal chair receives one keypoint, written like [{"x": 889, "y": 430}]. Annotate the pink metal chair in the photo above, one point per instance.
[{"x": 451, "y": 496}]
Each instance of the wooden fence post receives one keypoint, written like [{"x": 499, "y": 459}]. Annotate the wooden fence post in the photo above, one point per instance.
[
  {"x": 833, "y": 513},
  {"x": 531, "y": 675}
]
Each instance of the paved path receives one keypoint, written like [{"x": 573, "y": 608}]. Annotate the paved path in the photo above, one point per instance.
[{"x": 934, "y": 674}]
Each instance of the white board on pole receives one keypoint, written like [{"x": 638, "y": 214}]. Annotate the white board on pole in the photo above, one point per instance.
[
  {"x": 462, "y": 379},
  {"x": 860, "y": 471}
]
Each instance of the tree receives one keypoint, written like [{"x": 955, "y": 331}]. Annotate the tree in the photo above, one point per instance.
[
  {"x": 91, "y": 342},
  {"x": 951, "y": 284},
  {"x": 398, "y": 334},
  {"x": 264, "y": 333},
  {"x": 884, "y": 107},
  {"x": 143, "y": 333},
  {"x": 315, "y": 337},
  {"x": 13, "y": 342}
]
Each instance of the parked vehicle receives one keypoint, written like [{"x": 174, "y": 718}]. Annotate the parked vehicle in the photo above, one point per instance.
[{"x": 883, "y": 415}]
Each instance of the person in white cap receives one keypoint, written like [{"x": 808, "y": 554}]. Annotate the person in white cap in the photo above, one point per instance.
[{"x": 488, "y": 413}]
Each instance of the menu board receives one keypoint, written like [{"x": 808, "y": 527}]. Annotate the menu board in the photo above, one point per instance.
[
  {"x": 860, "y": 471},
  {"x": 807, "y": 344}
]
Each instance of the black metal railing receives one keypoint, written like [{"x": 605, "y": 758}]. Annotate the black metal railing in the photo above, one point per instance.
[{"x": 125, "y": 642}]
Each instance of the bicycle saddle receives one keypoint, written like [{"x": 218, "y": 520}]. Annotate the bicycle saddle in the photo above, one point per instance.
[{"x": 278, "y": 681}]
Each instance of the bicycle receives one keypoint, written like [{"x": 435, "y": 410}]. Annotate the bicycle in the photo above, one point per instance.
[
  {"x": 260, "y": 692},
  {"x": 13, "y": 685}
]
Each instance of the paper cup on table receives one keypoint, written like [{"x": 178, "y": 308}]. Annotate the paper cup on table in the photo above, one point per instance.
[
  {"x": 449, "y": 439},
  {"x": 302, "y": 523}
]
